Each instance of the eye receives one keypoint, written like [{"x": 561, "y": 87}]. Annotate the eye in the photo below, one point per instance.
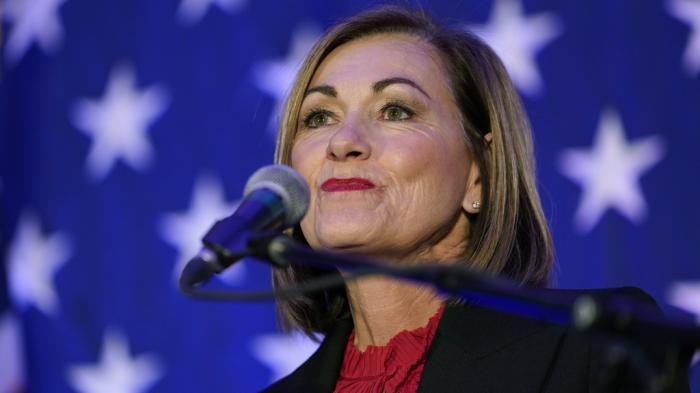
[
  {"x": 394, "y": 111},
  {"x": 317, "y": 118}
]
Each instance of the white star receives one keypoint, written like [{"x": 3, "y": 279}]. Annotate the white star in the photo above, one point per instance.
[
  {"x": 33, "y": 21},
  {"x": 184, "y": 230},
  {"x": 686, "y": 295},
  {"x": 282, "y": 353},
  {"x": 609, "y": 173},
  {"x": 689, "y": 12},
  {"x": 118, "y": 122},
  {"x": 275, "y": 77},
  {"x": 11, "y": 373},
  {"x": 192, "y": 11},
  {"x": 117, "y": 371},
  {"x": 34, "y": 260},
  {"x": 517, "y": 40}
]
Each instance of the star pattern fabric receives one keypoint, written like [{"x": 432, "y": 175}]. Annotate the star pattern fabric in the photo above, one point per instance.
[
  {"x": 282, "y": 353},
  {"x": 686, "y": 295},
  {"x": 34, "y": 260},
  {"x": 121, "y": 123},
  {"x": 11, "y": 356},
  {"x": 610, "y": 171},
  {"x": 33, "y": 21},
  {"x": 118, "y": 123},
  {"x": 517, "y": 39},
  {"x": 184, "y": 230},
  {"x": 275, "y": 77},
  {"x": 191, "y": 12},
  {"x": 688, "y": 11},
  {"x": 116, "y": 371}
]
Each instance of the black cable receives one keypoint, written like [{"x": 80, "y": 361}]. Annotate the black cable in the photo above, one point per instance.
[
  {"x": 318, "y": 284},
  {"x": 616, "y": 319}
]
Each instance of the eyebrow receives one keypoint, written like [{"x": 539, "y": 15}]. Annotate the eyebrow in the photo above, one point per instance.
[
  {"x": 377, "y": 87},
  {"x": 323, "y": 89},
  {"x": 384, "y": 83}
]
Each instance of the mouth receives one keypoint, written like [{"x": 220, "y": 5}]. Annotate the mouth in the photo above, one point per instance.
[{"x": 349, "y": 184}]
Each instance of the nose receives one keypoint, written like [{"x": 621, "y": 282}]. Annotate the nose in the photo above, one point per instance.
[{"x": 349, "y": 142}]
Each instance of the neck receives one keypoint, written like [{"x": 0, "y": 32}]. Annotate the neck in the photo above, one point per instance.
[{"x": 382, "y": 307}]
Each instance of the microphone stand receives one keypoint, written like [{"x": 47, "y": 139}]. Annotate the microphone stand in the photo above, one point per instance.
[{"x": 627, "y": 321}]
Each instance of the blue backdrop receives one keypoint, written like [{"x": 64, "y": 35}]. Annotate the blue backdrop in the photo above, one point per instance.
[{"x": 127, "y": 127}]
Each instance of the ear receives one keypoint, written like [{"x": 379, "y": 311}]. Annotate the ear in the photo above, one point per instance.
[
  {"x": 472, "y": 195},
  {"x": 473, "y": 201}
]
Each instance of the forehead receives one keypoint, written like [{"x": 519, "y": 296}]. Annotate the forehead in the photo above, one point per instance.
[{"x": 368, "y": 59}]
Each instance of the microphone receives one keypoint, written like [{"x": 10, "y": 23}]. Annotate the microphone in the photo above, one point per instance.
[{"x": 275, "y": 197}]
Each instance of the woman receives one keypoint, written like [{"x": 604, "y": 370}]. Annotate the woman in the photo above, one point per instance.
[{"x": 416, "y": 148}]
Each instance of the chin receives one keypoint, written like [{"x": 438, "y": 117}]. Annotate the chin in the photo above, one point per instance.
[
  {"x": 343, "y": 228},
  {"x": 343, "y": 237}
]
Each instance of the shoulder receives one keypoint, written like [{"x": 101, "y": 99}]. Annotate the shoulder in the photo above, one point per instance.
[
  {"x": 484, "y": 330},
  {"x": 493, "y": 350},
  {"x": 496, "y": 327},
  {"x": 320, "y": 372}
]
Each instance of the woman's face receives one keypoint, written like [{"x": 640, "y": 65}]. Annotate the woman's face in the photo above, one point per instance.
[{"x": 381, "y": 145}]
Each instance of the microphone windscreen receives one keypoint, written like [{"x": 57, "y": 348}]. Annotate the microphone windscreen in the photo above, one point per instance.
[{"x": 288, "y": 184}]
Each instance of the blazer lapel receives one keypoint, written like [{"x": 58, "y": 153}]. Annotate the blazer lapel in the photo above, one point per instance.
[
  {"x": 320, "y": 372},
  {"x": 475, "y": 350},
  {"x": 474, "y": 338}
]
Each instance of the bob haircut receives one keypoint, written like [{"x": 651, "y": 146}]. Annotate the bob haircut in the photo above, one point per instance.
[{"x": 509, "y": 237}]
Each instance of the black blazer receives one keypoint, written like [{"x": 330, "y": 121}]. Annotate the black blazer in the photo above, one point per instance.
[{"x": 478, "y": 350}]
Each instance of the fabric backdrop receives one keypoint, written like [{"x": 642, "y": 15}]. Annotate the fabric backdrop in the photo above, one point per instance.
[{"x": 127, "y": 127}]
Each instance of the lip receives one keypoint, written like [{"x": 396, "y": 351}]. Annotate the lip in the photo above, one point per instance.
[{"x": 347, "y": 184}]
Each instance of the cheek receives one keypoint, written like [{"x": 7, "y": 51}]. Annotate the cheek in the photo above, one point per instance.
[
  {"x": 307, "y": 158},
  {"x": 426, "y": 157},
  {"x": 430, "y": 171}
]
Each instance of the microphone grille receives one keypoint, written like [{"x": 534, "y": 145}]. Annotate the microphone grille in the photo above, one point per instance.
[{"x": 288, "y": 184}]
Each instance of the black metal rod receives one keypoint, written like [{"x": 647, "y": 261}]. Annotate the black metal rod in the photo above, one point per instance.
[{"x": 617, "y": 315}]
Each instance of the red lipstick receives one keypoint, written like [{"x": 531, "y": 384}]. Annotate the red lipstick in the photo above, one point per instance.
[{"x": 349, "y": 184}]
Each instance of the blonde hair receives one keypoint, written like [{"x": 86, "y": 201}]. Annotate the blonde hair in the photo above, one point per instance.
[{"x": 510, "y": 236}]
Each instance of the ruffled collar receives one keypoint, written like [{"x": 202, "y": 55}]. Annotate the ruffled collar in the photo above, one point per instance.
[{"x": 394, "y": 367}]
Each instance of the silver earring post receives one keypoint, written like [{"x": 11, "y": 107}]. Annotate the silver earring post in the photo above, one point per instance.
[{"x": 476, "y": 204}]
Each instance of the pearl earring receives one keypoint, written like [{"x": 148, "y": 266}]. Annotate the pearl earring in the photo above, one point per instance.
[{"x": 476, "y": 204}]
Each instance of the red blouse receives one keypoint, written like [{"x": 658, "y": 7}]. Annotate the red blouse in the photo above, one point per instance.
[{"x": 393, "y": 368}]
